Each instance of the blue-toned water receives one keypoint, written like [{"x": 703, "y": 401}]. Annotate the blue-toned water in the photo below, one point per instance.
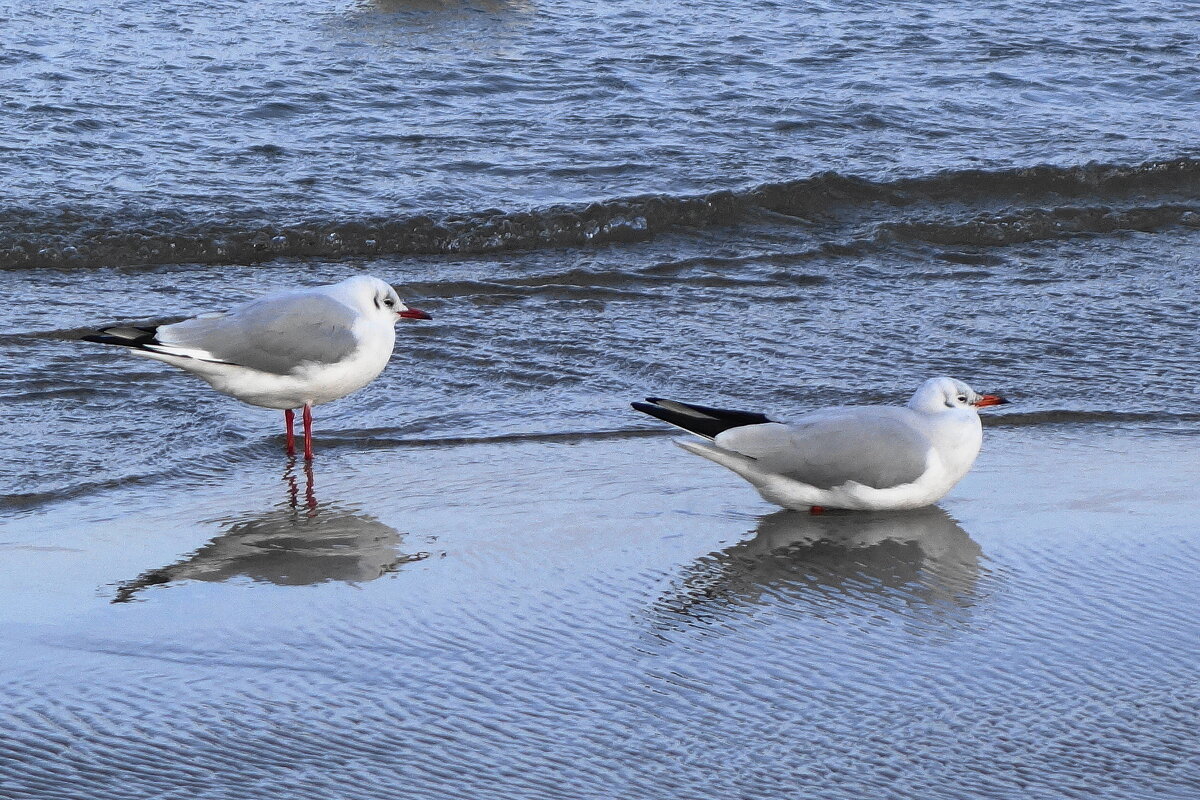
[
  {"x": 497, "y": 580},
  {"x": 156, "y": 132}
]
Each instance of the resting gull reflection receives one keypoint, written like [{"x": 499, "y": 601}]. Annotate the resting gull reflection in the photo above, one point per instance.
[{"x": 921, "y": 555}]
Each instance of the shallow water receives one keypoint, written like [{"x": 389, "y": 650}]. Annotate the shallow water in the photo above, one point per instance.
[
  {"x": 498, "y": 580},
  {"x": 1076, "y": 328},
  {"x": 610, "y": 619}
]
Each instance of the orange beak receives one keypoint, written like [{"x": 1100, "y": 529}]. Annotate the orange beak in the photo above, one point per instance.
[
  {"x": 413, "y": 313},
  {"x": 989, "y": 400}
]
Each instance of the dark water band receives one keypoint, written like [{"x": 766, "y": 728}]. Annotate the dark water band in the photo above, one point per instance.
[{"x": 972, "y": 207}]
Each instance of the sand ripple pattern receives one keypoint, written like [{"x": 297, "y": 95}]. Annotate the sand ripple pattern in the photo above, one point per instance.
[{"x": 808, "y": 656}]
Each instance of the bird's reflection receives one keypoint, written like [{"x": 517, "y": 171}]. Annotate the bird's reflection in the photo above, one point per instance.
[
  {"x": 918, "y": 556},
  {"x": 293, "y": 487},
  {"x": 300, "y": 542}
]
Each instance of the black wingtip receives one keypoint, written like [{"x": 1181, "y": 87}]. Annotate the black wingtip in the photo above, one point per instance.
[
  {"x": 135, "y": 336},
  {"x": 102, "y": 339},
  {"x": 700, "y": 420}
]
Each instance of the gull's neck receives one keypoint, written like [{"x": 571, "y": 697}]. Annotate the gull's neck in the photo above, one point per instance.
[{"x": 956, "y": 434}]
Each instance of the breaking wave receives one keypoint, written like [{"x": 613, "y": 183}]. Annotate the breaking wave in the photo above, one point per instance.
[{"x": 969, "y": 207}]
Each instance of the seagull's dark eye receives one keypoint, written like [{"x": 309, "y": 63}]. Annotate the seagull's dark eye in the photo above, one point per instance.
[
  {"x": 962, "y": 398},
  {"x": 390, "y": 303}
]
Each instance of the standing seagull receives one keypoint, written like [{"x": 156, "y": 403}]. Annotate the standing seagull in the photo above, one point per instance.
[
  {"x": 868, "y": 458},
  {"x": 286, "y": 351}
]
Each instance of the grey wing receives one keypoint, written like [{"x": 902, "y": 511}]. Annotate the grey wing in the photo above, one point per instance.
[
  {"x": 274, "y": 334},
  {"x": 880, "y": 450}
]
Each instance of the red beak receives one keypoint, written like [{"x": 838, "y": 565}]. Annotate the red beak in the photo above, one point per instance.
[
  {"x": 989, "y": 400},
  {"x": 414, "y": 313}
]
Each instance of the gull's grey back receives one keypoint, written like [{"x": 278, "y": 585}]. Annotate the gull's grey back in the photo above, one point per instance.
[
  {"x": 873, "y": 446},
  {"x": 274, "y": 334}
]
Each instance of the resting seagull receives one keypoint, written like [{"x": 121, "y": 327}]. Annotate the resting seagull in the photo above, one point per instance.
[
  {"x": 297, "y": 349},
  {"x": 868, "y": 458}
]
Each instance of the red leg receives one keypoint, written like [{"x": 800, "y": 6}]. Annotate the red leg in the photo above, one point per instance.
[
  {"x": 308, "y": 432},
  {"x": 817, "y": 510},
  {"x": 289, "y": 417}
]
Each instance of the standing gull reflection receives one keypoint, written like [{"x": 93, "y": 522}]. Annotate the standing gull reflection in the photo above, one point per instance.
[{"x": 298, "y": 543}]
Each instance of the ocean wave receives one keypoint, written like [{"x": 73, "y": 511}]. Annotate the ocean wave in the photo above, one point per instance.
[{"x": 975, "y": 207}]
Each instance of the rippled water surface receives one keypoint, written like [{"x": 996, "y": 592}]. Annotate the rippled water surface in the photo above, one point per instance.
[
  {"x": 313, "y": 107},
  {"x": 496, "y": 580},
  {"x": 226, "y": 130},
  {"x": 599, "y": 618}
]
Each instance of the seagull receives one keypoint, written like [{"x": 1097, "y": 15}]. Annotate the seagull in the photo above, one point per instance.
[
  {"x": 291, "y": 350},
  {"x": 865, "y": 458}
]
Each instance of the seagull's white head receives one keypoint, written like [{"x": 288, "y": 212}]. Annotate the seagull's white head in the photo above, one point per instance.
[
  {"x": 938, "y": 395},
  {"x": 377, "y": 298}
]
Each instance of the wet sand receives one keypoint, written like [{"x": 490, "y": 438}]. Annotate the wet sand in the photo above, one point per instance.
[{"x": 608, "y": 617}]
